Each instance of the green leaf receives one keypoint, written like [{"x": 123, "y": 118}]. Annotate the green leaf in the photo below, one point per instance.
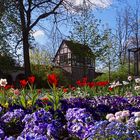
[{"x": 23, "y": 101}]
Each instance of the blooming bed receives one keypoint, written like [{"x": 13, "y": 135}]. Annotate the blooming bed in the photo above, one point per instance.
[
  {"x": 28, "y": 114},
  {"x": 78, "y": 118}
]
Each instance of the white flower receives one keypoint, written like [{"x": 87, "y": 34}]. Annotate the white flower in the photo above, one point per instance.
[
  {"x": 129, "y": 78},
  {"x": 119, "y": 118},
  {"x": 125, "y": 83},
  {"x": 112, "y": 119},
  {"x": 137, "y": 114},
  {"x": 112, "y": 86},
  {"x": 137, "y": 88},
  {"x": 137, "y": 80},
  {"x": 118, "y": 83},
  {"x": 119, "y": 113},
  {"x": 137, "y": 120},
  {"x": 125, "y": 113},
  {"x": 108, "y": 116},
  {"x": 3, "y": 82}
]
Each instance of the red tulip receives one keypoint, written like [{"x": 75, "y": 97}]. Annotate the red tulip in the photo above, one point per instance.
[
  {"x": 65, "y": 90},
  {"x": 52, "y": 79},
  {"x": 84, "y": 79},
  {"x": 23, "y": 83},
  {"x": 110, "y": 88},
  {"x": 31, "y": 79},
  {"x": 8, "y": 87},
  {"x": 78, "y": 83}
]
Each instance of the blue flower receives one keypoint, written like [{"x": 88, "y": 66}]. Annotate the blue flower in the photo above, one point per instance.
[
  {"x": 1, "y": 133},
  {"x": 32, "y": 136},
  {"x": 10, "y": 138},
  {"x": 42, "y": 116}
]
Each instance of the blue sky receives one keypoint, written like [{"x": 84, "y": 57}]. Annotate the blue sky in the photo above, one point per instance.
[{"x": 106, "y": 12}]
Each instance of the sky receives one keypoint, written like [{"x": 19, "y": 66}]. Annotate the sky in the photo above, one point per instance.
[{"x": 105, "y": 11}]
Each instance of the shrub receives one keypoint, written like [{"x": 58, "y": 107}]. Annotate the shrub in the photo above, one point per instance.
[
  {"x": 120, "y": 74},
  {"x": 41, "y": 72}
]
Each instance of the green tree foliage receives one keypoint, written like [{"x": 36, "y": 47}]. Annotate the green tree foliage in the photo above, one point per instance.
[
  {"x": 25, "y": 15},
  {"x": 121, "y": 73},
  {"x": 87, "y": 31},
  {"x": 6, "y": 62},
  {"x": 10, "y": 32},
  {"x": 40, "y": 56}
]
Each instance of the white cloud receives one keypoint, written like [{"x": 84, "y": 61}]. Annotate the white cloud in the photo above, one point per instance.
[
  {"x": 93, "y": 3},
  {"x": 101, "y": 3},
  {"x": 38, "y": 33}
]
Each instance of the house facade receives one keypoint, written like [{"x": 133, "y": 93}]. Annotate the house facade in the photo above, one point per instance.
[{"x": 76, "y": 59}]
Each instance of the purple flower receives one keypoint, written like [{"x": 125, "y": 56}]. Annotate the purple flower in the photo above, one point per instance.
[
  {"x": 15, "y": 115},
  {"x": 1, "y": 134},
  {"x": 32, "y": 136},
  {"x": 42, "y": 116},
  {"x": 9, "y": 138}
]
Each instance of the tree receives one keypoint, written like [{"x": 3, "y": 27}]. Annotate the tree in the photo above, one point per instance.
[
  {"x": 10, "y": 30},
  {"x": 123, "y": 34},
  {"x": 128, "y": 32},
  {"x": 28, "y": 14},
  {"x": 109, "y": 59},
  {"x": 87, "y": 30},
  {"x": 40, "y": 57},
  {"x": 26, "y": 8}
]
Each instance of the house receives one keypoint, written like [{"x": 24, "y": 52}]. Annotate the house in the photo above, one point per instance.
[{"x": 76, "y": 59}]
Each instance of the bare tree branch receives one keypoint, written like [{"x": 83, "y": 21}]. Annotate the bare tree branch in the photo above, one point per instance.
[{"x": 44, "y": 15}]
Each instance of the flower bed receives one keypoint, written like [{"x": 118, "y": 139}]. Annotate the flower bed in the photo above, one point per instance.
[
  {"x": 34, "y": 114},
  {"x": 78, "y": 118}
]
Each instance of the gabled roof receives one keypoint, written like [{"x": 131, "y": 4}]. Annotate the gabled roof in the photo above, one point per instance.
[{"x": 77, "y": 49}]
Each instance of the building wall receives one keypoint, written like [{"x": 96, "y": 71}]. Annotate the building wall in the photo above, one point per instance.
[
  {"x": 67, "y": 68},
  {"x": 75, "y": 69},
  {"x": 78, "y": 73}
]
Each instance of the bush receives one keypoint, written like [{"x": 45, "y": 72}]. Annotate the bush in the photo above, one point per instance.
[
  {"x": 120, "y": 74},
  {"x": 41, "y": 72}
]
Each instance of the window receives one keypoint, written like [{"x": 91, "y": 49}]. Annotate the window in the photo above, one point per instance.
[{"x": 63, "y": 59}]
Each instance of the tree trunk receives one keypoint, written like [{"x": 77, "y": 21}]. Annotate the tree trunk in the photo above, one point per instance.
[{"x": 26, "y": 46}]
